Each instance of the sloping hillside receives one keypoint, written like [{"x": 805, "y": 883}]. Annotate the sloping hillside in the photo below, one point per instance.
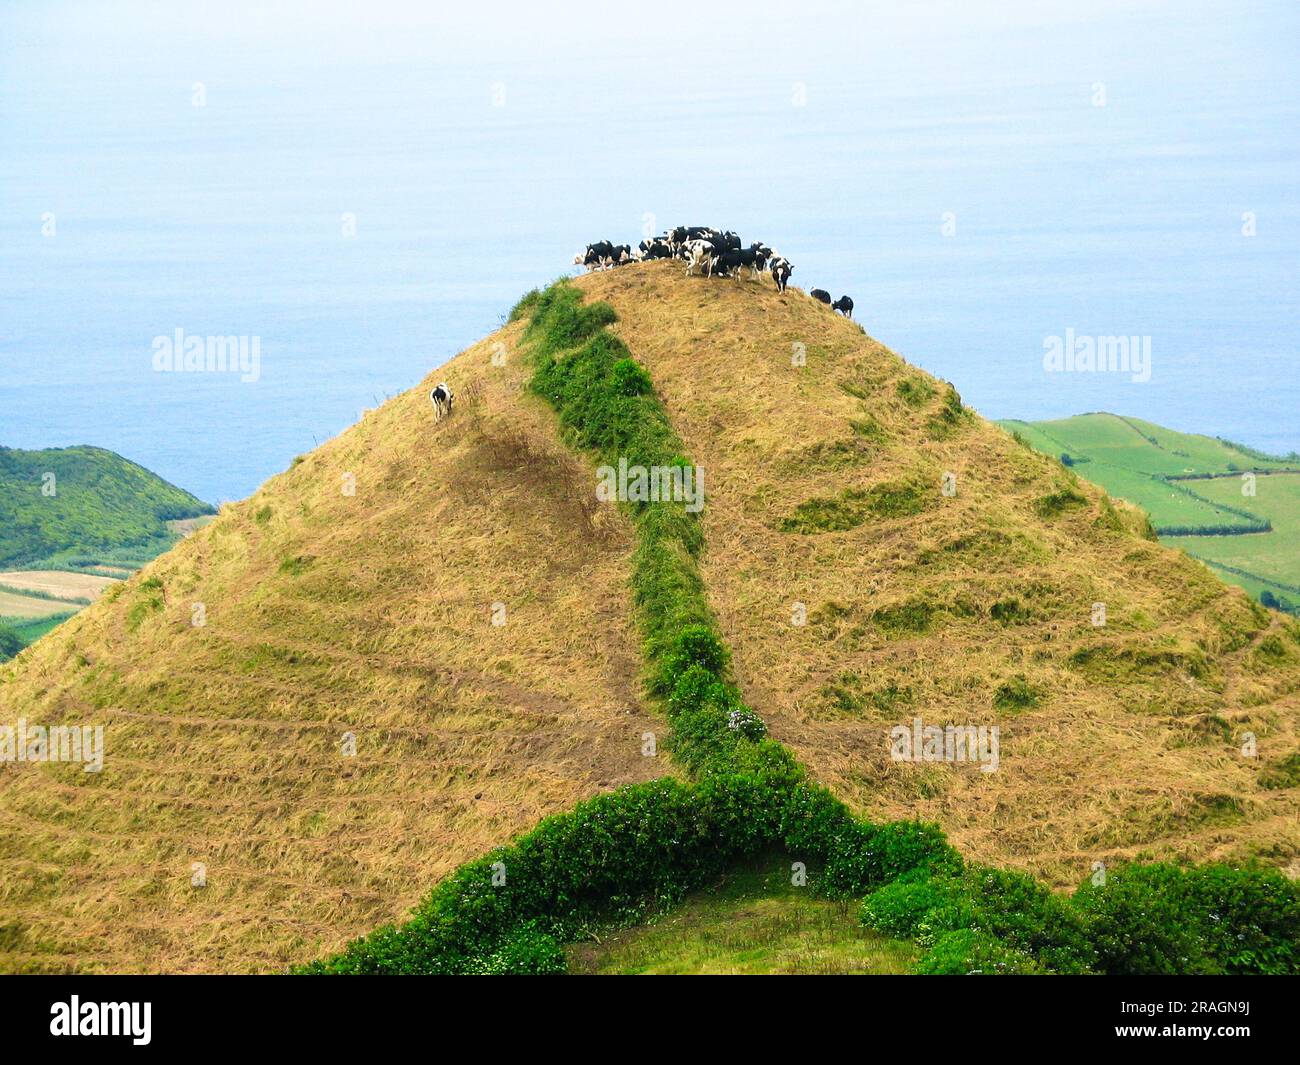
[
  {"x": 825, "y": 496},
  {"x": 83, "y": 500},
  {"x": 353, "y": 594}
]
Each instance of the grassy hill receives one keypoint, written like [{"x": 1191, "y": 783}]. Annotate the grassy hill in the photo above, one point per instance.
[
  {"x": 1192, "y": 487},
  {"x": 66, "y": 503},
  {"x": 327, "y": 614},
  {"x": 72, "y": 520},
  {"x": 825, "y": 491},
  {"x": 853, "y": 592}
]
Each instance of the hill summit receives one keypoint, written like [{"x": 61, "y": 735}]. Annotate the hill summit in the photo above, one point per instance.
[{"x": 417, "y": 641}]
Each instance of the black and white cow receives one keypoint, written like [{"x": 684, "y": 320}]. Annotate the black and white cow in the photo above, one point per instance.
[
  {"x": 781, "y": 270},
  {"x": 442, "y": 399},
  {"x": 726, "y": 264},
  {"x": 821, "y": 296},
  {"x": 598, "y": 256},
  {"x": 699, "y": 255},
  {"x": 844, "y": 305},
  {"x": 655, "y": 249}
]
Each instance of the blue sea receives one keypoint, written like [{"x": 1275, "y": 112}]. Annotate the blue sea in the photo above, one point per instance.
[{"x": 367, "y": 188}]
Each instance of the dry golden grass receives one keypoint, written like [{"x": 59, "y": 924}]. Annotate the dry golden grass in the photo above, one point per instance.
[
  {"x": 328, "y": 613},
  {"x": 1135, "y": 751},
  {"x": 57, "y": 582}
]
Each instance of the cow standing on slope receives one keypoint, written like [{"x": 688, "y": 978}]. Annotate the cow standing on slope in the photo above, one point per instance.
[{"x": 442, "y": 399}]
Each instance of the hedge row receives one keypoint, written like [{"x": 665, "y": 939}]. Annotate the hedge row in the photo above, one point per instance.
[
  {"x": 1153, "y": 919},
  {"x": 620, "y": 856}
]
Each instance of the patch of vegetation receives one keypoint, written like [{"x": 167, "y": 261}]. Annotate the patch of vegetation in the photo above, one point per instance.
[
  {"x": 749, "y": 922},
  {"x": 1282, "y": 774},
  {"x": 297, "y": 565},
  {"x": 854, "y": 506},
  {"x": 905, "y": 619},
  {"x": 847, "y": 694},
  {"x": 1016, "y": 694},
  {"x": 1057, "y": 503},
  {"x": 915, "y": 391},
  {"x": 148, "y": 601},
  {"x": 1010, "y": 612},
  {"x": 869, "y": 429},
  {"x": 951, "y": 414},
  {"x": 10, "y": 642}
]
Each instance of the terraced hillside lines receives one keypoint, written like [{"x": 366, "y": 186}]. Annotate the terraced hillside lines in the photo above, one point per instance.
[
  {"x": 824, "y": 497},
  {"x": 328, "y": 614}
]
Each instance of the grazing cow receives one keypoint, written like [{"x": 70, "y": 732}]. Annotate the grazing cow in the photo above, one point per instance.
[
  {"x": 597, "y": 256},
  {"x": 726, "y": 263},
  {"x": 622, "y": 254},
  {"x": 699, "y": 254},
  {"x": 821, "y": 296},
  {"x": 755, "y": 257},
  {"x": 442, "y": 399},
  {"x": 683, "y": 234},
  {"x": 655, "y": 249},
  {"x": 781, "y": 271},
  {"x": 844, "y": 305}
]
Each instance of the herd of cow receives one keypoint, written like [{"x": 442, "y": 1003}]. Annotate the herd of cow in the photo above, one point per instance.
[{"x": 707, "y": 251}]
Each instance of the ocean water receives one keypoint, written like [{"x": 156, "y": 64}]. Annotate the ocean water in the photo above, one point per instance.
[{"x": 979, "y": 178}]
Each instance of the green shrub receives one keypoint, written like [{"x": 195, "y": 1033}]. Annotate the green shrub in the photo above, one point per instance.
[
  {"x": 967, "y": 952},
  {"x": 695, "y": 645},
  {"x": 10, "y": 643},
  {"x": 900, "y": 909},
  {"x": 630, "y": 379},
  {"x": 1158, "y": 919},
  {"x": 527, "y": 951}
]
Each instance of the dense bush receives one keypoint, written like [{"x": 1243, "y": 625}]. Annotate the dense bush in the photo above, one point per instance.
[
  {"x": 10, "y": 643},
  {"x": 1210, "y": 919}
]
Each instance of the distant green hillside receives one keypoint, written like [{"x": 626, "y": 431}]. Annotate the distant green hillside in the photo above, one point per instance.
[
  {"x": 72, "y": 504},
  {"x": 1196, "y": 490}
]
